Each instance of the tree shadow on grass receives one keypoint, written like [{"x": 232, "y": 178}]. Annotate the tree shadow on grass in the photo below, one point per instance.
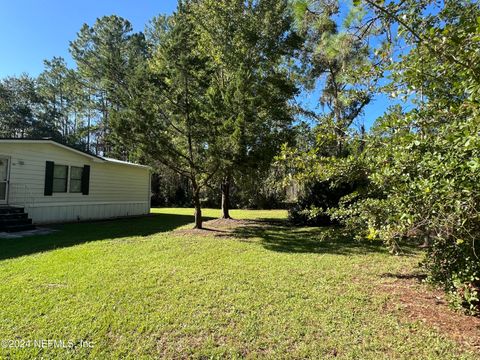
[
  {"x": 417, "y": 276},
  {"x": 74, "y": 234},
  {"x": 281, "y": 236}
]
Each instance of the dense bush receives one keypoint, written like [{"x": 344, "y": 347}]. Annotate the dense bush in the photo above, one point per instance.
[
  {"x": 425, "y": 187},
  {"x": 422, "y": 165}
]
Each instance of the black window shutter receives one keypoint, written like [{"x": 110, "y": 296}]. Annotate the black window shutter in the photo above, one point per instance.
[
  {"x": 49, "y": 165},
  {"x": 86, "y": 180}
]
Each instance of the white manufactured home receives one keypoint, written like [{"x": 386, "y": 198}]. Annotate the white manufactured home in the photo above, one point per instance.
[{"x": 55, "y": 183}]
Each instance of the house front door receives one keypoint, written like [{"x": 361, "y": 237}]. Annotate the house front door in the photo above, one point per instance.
[{"x": 4, "y": 178}]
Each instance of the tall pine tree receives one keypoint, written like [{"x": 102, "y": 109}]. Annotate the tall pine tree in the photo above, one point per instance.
[
  {"x": 250, "y": 44},
  {"x": 165, "y": 118}
]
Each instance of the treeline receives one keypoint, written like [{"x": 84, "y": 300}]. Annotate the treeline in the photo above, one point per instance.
[
  {"x": 212, "y": 98},
  {"x": 74, "y": 106}
]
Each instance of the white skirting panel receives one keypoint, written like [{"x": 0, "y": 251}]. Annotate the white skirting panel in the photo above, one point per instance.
[{"x": 58, "y": 213}]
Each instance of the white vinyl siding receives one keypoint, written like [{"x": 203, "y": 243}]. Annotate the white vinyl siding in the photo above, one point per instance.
[{"x": 115, "y": 189}]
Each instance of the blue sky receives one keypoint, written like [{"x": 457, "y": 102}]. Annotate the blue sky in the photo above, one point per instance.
[{"x": 34, "y": 30}]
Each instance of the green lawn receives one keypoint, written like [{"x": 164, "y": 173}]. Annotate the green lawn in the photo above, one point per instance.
[{"x": 137, "y": 290}]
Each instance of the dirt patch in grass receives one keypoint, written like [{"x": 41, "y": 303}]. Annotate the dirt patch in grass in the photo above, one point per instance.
[
  {"x": 418, "y": 302},
  {"x": 218, "y": 228}
]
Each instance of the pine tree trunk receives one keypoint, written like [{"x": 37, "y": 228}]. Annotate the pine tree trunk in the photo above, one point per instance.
[
  {"x": 226, "y": 198},
  {"x": 198, "y": 211}
]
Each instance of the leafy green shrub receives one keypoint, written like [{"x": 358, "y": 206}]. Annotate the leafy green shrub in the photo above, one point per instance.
[
  {"x": 424, "y": 187},
  {"x": 422, "y": 165}
]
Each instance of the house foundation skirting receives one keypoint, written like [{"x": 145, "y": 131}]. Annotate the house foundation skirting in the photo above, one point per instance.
[{"x": 58, "y": 213}]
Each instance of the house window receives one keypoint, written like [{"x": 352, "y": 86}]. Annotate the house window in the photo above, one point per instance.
[
  {"x": 60, "y": 178},
  {"x": 76, "y": 179}
]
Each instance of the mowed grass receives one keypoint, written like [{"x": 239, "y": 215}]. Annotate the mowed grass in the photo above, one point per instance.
[{"x": 136, "y": 289}]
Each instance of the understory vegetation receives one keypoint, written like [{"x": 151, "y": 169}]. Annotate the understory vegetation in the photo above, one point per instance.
[{"x": 216, "y": 97}]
